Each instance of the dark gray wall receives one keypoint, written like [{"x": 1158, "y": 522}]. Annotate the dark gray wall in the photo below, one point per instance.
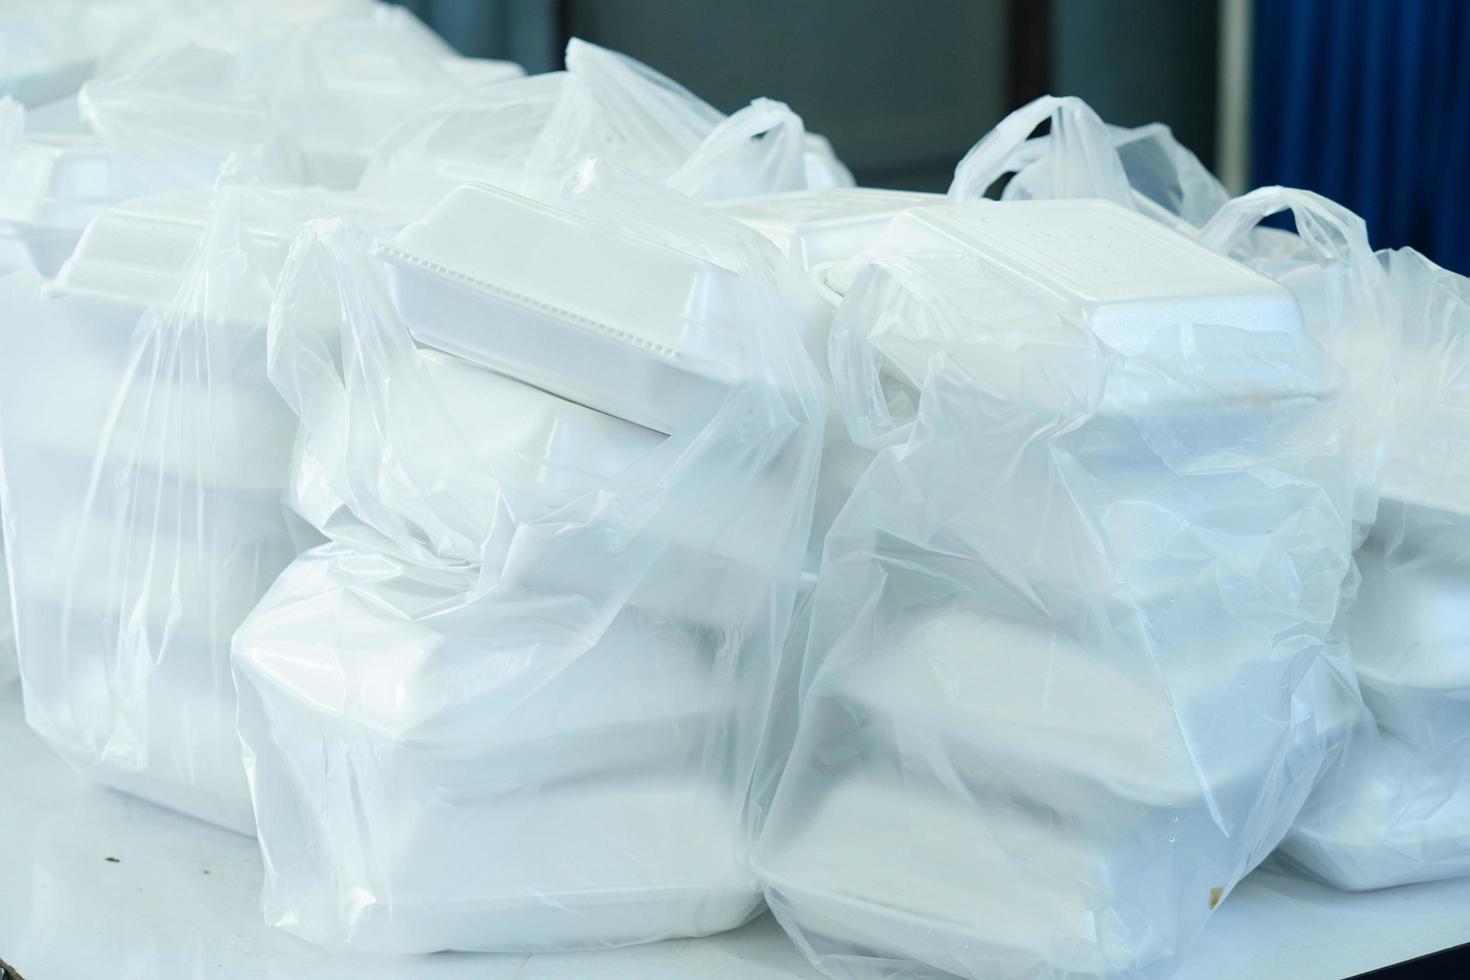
[
  {"x": 1140, "y": 61},
  {"x": 902, "y": 89}
]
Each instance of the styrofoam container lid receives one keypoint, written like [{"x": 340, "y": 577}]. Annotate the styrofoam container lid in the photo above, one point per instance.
[
  {"x": 598, "y": 315},
  {"x": 1100, "y": 263},
  {"x": 901, "y": 871},
  {"x": 139, "y": 252},
  {"x": 1026, "y": 693},
  {"x": 1211, "y": 331},
  {"x": 817, "y": 226},
  {"x": 62, "y": 179}
]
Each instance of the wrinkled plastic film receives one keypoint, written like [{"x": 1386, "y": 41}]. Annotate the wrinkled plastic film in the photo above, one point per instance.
[
  {"x": 145, "y": 454},
  {"x": 517, "y": 701},
  {"x": 1396, "y": 809},
  {"x": 526, "y": 136},
  {"x": 1144, "y": 168},
  {"x": 1018, "y": 754}
]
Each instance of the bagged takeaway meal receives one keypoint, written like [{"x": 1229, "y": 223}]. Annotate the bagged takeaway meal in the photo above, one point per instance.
[
  {"x": 1396, "y": 810},
  {"x": 144, "y": 454},
  {"x": 517, "y": 701},
  {"x": 1061, "y": 690},
  {"x": 1392, "y": 810}
]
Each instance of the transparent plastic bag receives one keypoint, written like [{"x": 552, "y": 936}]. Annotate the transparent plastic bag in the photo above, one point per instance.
[
  {"x": 517, "y": 702},
  {"x": 142, "y": 30},
  {"x": 144, "y": 454},
  {"x": 185, "y": 116},
  {"x": 9, "y": 667},
  {"x": 1144, "y": 168},
  {"x": 1345, "y": 297},
  {"x": 305, "y": 102},
  {"x": 528, "y": 136},
  {"x": 1061, "y": 690},
  {"x": 1396, "y": 810}
]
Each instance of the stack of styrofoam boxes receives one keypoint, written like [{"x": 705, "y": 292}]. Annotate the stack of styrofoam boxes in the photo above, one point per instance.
[
  {"x": 538, "y": 778},
  {"x": 145, "y": 453},
  {"x": 55, "y": 176},
  {"x": 1049, "y": 722},
  {"x": 1399, "y": 809}
]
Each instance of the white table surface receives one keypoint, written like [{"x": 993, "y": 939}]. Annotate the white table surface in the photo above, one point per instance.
[{"x": 180, "y": 902}]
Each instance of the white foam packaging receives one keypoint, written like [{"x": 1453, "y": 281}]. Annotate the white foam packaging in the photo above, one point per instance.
[
  {"x": 553, "y": 753},
  {"x": 48, "y": 48},
  {"x": 1392, "y": 808},
  {"x": 1396, "y": 810},
  {"x": 1065, "y": 683},
  {"x": 145, "y": 454},
  {"x": 55, "y": 176}
]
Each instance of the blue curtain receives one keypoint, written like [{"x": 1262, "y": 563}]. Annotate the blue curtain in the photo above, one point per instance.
[{"x": 1368, "y": 102}]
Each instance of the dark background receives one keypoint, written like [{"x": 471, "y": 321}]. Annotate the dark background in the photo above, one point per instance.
[{"x": 1367, "y": 101}]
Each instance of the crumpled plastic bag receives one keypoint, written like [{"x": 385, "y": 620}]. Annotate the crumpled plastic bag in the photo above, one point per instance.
[
  {"x": 518, "y": 700},
  {"x": 1065, "y": 683},
  {"x": 144, "y": 454},
  {"x": 9, "y": 667},
  {"x": 50, "y": 48},
  {"x": 1143, "y": 168},
  {"x": 1396, "y": 810},
  {"x": 305, "y": 105},
  {"x": 527, "y": 136}
]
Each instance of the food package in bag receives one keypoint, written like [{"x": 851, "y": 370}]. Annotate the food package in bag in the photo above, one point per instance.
[
  {"x": 517, "y": 701},
  {"x": 527, "y": 135},
  {"x": 1393, "y": 808},
  {"x": 1396, "y": 810},
  {"x": 1061, "y": 686},
  {"x": 178, "y": 123},
  {"x": 144, "y": 453}
]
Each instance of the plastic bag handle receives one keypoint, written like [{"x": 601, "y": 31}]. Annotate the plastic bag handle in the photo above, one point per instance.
[
  {"x": 1330, "y": 231},
  {"x": 1078, "y": 132},
  {"x": 783, "y": 129}
]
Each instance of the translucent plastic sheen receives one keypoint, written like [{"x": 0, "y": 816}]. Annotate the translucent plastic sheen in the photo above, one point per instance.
[
  {"x": 144, "y": 454},
  {"x": 519, "y": 700},
  {"x": 1061, "y": 689}
]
